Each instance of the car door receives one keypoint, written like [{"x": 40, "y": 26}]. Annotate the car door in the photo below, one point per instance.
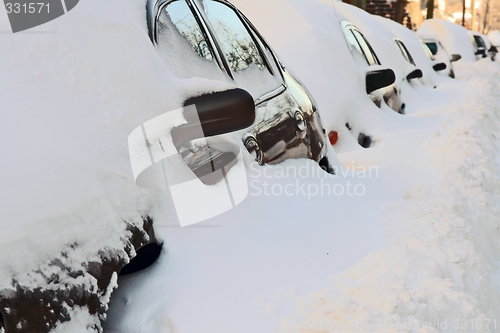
[
  {"x": 364, "y": 55},
  {"x": 212, "y": 39}
]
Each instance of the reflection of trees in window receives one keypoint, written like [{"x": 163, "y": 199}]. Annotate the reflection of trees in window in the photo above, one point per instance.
[
  {"x": 203, "y": 50},
  {"x": 184, "y": 21},
  {"x": 236, "y": 42},
  {"x": 240, "y": 51},
  {"x": 367, "y": 50}
]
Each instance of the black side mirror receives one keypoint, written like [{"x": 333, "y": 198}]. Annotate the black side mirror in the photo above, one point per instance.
[
  {"x": 416, "y": 74},
  {"x": 439, "y": 66},
  {"x": 481, "y": 51},
  {"x": 493, "y": 49},
  {"x": 378, "y": 79},
  {"x": 455, "y": 57},
  {"x": 217, "y": 113}
]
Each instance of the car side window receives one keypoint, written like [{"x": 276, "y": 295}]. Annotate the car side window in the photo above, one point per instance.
[
  {"x": 367, "y": 49},
  {"x": 183, "y": 45},
  {"x": 427, "y": 50},
  {"x": 355, "y": 48},
  {"x": 240, "y": 49},
  {"x": 433, "y": 47},
  {"x": 479, "y": 42},
  {"x": 404, "y": 51},
  {"x": 237, "y": 44}
]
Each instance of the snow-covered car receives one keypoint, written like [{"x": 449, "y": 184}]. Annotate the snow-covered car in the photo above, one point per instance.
[
  {"x": 438, "y": 54},
  {"x": 379, "y": 81},
  {"x": 389, "y": 47},
  {"x": 213, "y": 40},
  {"x": 481, "y": 51},
  {"x": 437, "y": 66},
  {"x": 453, "y": 37},
  {"x": 491, "y": 50},
  {"x": 417, "y": 72},
  {"x": 415, "y": 54},
  {"x": 40, "y": 299}
]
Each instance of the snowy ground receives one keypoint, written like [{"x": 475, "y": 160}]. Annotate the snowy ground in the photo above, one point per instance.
[
  {"x": 419, "y": 248},
  {"x": 410, "y": 239}
]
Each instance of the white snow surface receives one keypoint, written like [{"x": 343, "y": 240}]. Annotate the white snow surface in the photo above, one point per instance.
[
  {"x": 494, "y": 37},
  {"x": 420, "y": 245},
  {"x": 425, "y": 232},
  {"x": 442, "y": 265}
]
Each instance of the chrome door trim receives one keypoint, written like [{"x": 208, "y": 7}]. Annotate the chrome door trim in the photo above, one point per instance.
[{"x": 213, "y": 42}]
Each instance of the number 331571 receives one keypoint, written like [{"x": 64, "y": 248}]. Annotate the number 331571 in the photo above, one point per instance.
[{"x": 27, "y": 8}]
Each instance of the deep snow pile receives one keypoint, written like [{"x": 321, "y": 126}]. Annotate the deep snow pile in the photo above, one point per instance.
[
  {"x": 494, "y": 37},
  {"x": 443, "y": 267}
]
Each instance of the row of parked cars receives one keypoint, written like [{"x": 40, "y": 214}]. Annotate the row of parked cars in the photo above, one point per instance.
[
  {"x": 214, "y": 40},
  {"x": 469, "y": 44},
  {"x": 272, "y": 113}
]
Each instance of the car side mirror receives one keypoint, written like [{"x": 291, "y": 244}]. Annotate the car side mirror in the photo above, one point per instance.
[
  {"x": 480, "y": 51},
  {"x": 439, "y": 67},
  {"x": 416, "y": 74},
  {"x": 455, "y": 57},
  {"x": 493, "y": 49},
  {"x": 378, "y": 79},
  {"x": 217, "y": 113}
]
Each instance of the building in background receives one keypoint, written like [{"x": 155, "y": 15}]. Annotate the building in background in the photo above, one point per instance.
[{"x": 480, "y": 15}]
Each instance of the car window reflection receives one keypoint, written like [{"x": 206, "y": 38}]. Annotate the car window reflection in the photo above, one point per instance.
[
  {"x": 236, "y": 43},
  {"x": 183, "y": 46},
  {"x": 181, "y": 17},
  {"x": 367, "y": 50},
  {"x": 404, "y": 51}
]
